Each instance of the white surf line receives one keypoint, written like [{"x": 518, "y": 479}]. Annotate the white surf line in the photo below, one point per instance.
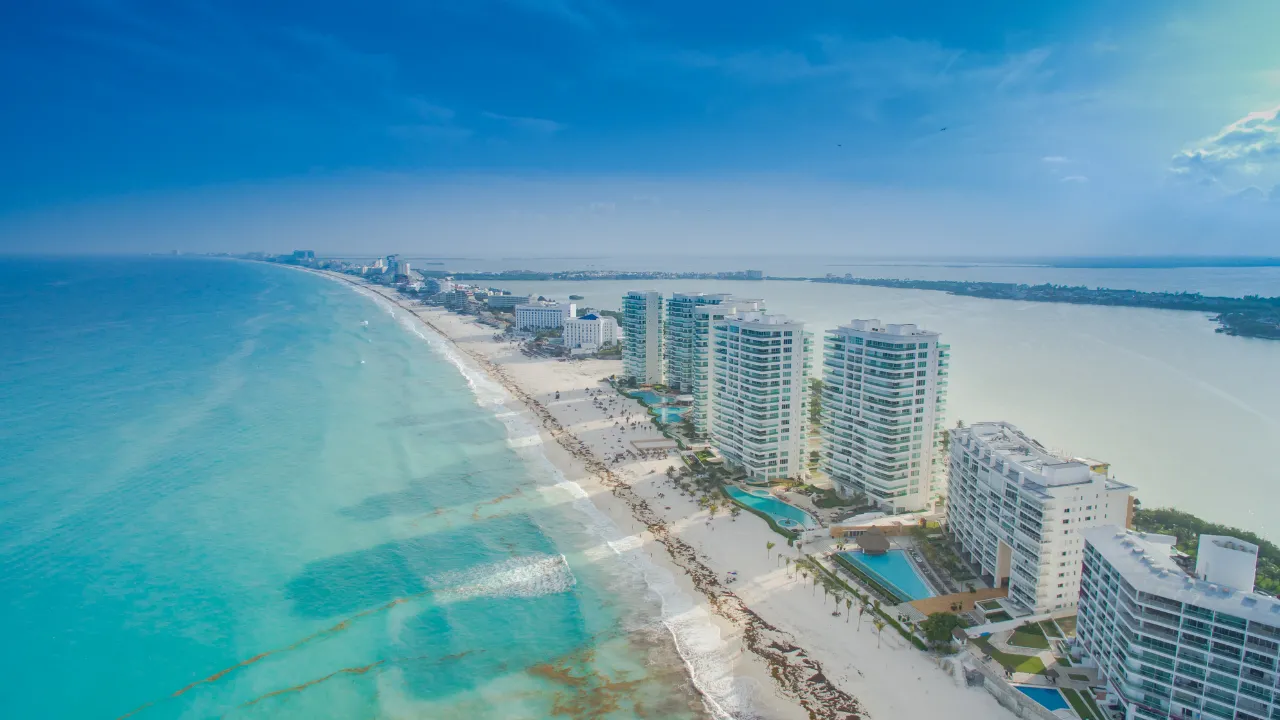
[{"x": 696, "y": 637}]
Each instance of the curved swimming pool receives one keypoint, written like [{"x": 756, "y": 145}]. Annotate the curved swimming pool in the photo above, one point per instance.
[
  {"x": 786, "y": 515},
  {"x": 892, "y": 570}
]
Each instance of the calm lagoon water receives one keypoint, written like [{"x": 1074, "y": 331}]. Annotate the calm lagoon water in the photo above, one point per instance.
[
  {"x": 1188, "y": 416},
  {"x": 235, "y": 490}
]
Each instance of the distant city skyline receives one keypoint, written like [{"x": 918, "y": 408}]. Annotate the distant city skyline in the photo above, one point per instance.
[{"x": 594, "y": 126}]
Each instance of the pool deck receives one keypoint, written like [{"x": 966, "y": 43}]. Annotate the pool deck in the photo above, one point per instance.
[{"x": 942, "y": 603}]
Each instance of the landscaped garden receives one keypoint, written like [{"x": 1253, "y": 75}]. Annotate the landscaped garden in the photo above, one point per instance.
[
  {"x": 1030, "y": 635},
  {"x": 1009, "y": 661}
]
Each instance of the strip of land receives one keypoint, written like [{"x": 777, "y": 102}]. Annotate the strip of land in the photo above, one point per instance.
[{"x": 805, "y": 661}]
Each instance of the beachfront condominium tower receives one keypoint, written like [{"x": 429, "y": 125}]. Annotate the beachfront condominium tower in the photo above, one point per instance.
[
  {"x": 680, "y": 347},
  {"x": 702, "y": 373},
  {"x": 1016, "y": 511},
  {"x": 642, "y": 337},
  {"x": 758, "y": 392},
  {"x": 1172, "y": 642},
  {"x": 883, "y": 406}
]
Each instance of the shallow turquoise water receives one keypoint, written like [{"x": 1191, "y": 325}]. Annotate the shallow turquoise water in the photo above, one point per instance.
[
  {"x": 895, "y": 570},
  {"x": 670, "y": 414},
  {"x": 785, "y": 514},
  {"x": 234, "y": 490}
]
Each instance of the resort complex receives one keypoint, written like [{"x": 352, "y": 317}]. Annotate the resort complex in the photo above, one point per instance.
[
  {"x": 543, "y": 316},
  {"x": 642, "y": 321},
  {"x": 590, "y": 332},
  {"x": 1177, "y": 644},
  {"x": 1012, "y": 561},
  {"x": 883, "y": 402},
  {"x": 758, "y": 392},
  {"x": 1016, "y": 511}
]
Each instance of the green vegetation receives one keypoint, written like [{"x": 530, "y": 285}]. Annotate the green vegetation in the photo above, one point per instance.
[
  {"x": 1064, "y": 662},
  {"x": 1078, "y": 677},
  {"x": 938, "y": 626},
  {"x": 867, "y": 601},
  {"x": 998, "y": 617},
  {"x": 829, "y": 498},
  {"x": 1050, "y": 629},
  {"x": 1188, "y": 528},
  {"x": 1078, "y": 704},
  {"x": 1014, "y": 663},
  {"x": 1035, "y": 641},
  {"x": 815, "y": 404},
  {"x": 1067, "y": 625},
  {"x": 773, "y": 525}
]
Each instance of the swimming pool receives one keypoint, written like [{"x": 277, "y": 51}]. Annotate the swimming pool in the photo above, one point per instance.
[
  {"x": 1048, "y": 698},
  {"x": 894, "y": 571},
  {"x": 670, "y": 414},
  {"x": 786, "y": 515},
  {"x": 650, "y": 397}
]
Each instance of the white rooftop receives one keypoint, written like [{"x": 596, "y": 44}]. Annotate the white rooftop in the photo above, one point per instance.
[
  {"x": 1145, "y": 560},
  {"x": 876, "y": 326}
]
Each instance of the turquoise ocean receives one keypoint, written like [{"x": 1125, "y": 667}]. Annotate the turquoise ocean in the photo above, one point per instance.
[{"x": 235, "y": 490}]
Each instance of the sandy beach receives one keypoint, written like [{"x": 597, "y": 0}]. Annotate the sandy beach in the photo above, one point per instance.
[{"x": 796, "y": 658}]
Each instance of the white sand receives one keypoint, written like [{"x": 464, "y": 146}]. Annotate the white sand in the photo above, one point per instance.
[{"x": 892, "y": 681}]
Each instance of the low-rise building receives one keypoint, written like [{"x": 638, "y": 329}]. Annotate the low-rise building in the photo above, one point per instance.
[
  {"x": 507, "y": 303},
  {"x": 1172, "y": 644},
  {"x": 590, "y": 332},
  {"x": 1016, "y": 510},
  {"x": 543, "y": 316}
]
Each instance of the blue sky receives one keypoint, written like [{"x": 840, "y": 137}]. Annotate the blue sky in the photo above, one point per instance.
[{"x": 572, "y": 125}]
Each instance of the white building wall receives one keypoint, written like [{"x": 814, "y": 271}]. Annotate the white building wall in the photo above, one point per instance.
[
  {"x": 1016, "y": 511},
  {"x": 702, "y": 364},
  {"x": 642, "y": 319},
  {"x": 591, "y": 332},
  {"x": 759, "y": 391},
  {"x": 680, "y": 342},
  {"x": 543, "y": 317},
  {"x": 1169, "y": 645},
  {"x": 883, "y": 410}
]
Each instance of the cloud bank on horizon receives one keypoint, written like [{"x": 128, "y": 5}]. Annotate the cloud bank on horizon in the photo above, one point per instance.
[{"x": 562, "y": 126}]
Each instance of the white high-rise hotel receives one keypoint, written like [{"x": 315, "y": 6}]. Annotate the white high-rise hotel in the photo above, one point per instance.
[
  {"x": 705, "y": 318},
  {"x": 1173, "y": 645},
  {"x": 642, "y": 336},
  {"x": 758, "y": 393},
  {"x": 883, "y": 404},
  {"x": 680, "y": 342},
  {"x": 1016, "y": 510}
]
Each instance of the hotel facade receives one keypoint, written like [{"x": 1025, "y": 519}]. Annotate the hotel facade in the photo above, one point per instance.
[
  {"x": 540, "y": 316},
  {"x": 1016, "y": 510},
  {"x": 758, "y": 393},
  {"x": 1174, "y": 644},
  {"x": 642, "y": 319},
  {"x": 680, "y": 342},
  {"x": 883, "y": 409},
  {"x": 705, "y": 319}
]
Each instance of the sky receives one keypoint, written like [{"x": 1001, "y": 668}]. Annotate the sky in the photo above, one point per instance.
[{"x": 563, "y": 127}]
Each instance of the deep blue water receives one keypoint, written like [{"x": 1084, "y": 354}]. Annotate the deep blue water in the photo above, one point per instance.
[{"x": 236, "y": 490}]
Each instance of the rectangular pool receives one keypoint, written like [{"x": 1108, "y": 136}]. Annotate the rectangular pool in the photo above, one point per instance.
[
  {"x": 786, "y": 515},
  {"x": 894, "y": 571},
  {"x": 1048, "y": 698}
]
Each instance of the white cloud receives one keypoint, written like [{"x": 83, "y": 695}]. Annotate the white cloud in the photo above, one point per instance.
[
  {"x": 1248, "y": 146},
  {"x": 1075, "y": 179},
  {"x": 531, "y": 124},
  {"x": 1055, "y": 159}
]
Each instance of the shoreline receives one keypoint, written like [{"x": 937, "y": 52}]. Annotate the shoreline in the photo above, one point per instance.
[{"x": 808, "y": 663}]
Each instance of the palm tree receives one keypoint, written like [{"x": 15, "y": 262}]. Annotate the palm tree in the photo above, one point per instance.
[
  {"x": 862, "y": 609},
  {"x": 879, "y": 623},
  {"x": 788, "y": 564},
  {"x": 768, "y": 548},
  {"x": 804, "y": 574},
  {"x": 848, "y": 609}
]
